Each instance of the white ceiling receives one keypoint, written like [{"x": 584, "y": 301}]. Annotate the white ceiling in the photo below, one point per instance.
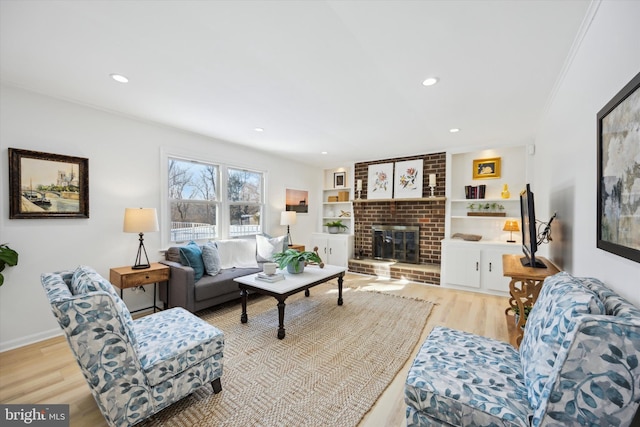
[{"x": 337, "y": 76}]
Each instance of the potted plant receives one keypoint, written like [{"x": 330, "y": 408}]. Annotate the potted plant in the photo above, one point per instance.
[
  {"x": 7, "y": 257},
  {"x": 294, "y": 261},
  {"x": 336, "y": 226}
]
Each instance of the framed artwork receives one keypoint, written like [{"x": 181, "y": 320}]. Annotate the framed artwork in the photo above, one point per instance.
[
  {"x": 297, "y": 200},
  {"x": 379, "y": 181},
  {"x": 486, "y": 168},
  {"x": 618, "y": 197},
  {"x": 407, "y": 181},
  {"x": 339, "y": 179},
  {"x": 44, "y": 185}
]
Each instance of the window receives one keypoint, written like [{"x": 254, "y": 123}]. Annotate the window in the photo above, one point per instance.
[{"x": 198, "y": 211}]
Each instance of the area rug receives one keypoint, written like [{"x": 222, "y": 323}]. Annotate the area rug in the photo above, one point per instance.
[{"x": 329, "y": 370}]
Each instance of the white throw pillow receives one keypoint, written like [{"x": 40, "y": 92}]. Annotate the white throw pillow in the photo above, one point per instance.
[
  {"x": 239, "y": 253},
  {"x": 211, "y": 258},
  {"x": 268, "y": 247}
]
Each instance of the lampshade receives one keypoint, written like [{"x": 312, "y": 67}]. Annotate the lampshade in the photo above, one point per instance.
[
  {"x": 140, "y": 220},
  {"x": 288, "y": 218},
  {"x": 511, "y": 225}
]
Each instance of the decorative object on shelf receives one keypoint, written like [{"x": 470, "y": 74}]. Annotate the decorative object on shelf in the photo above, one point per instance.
[
  {"x": 140, "y": 220},
  {"x": 343, "y": 196},
  {"x": 297, "y": 200},
  {"x": 336, "y": 226},
  {"x": 339, "y": 179},
  {"x": 408, "y": 179},
  {"x": 486, "y": 168},
  {"x": 8, "y": 257},
  {"x": 379, "y": 183},
  {"x": 295, "y": 261},
  {"x": 467, "y": 237},
  {"x": 288, "y": 218},
  {"x": 344, "y": 214},
  {"x": 618, "y": 173},
  {"x": 332, "y": 199},
  {"x": 45, "y": 185},
  {"x": 474, "y": 191},
  {"x": 505, "y": 194},
  {"x": 432, "y": 183},
  {"x": 359, "y": 188},
  {"x": 511, "y": 226},
  {"x": 485, "y": 209}
]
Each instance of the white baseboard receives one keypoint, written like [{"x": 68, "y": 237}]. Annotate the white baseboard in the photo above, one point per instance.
[{"x": 29, "y": 339}]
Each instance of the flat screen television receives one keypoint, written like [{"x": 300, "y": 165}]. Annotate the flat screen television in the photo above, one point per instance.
[{"x": 529, "y": 230}]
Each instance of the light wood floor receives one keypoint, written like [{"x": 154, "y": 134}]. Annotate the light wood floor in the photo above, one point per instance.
[{"x": 46, "y": 372}]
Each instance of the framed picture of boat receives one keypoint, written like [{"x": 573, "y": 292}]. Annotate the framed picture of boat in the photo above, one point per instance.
[{"x": 44, "y": 185}]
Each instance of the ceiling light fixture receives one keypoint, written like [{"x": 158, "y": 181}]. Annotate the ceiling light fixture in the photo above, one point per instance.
[
  {"x": 324, "y": 152},
  {"x": 430, "y": 81},
  {"x": 454, "y": 130},
  {"x": 119, "y": 78},
  {"x": 259, "y": 129}
]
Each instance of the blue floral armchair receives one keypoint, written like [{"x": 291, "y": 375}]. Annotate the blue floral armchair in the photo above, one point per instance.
[{"x": 134, "y": 368}]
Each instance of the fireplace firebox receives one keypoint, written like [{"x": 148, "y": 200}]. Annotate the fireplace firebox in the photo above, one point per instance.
[{"x": 399, "y": 243}]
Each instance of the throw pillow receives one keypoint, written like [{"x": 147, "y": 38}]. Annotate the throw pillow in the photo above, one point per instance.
[
  {"x": 238, "y": 253},
  {"x": 268, "y": 247},
  {"x": 211, "y": 259},
  {"x": 191, "y": 255}
]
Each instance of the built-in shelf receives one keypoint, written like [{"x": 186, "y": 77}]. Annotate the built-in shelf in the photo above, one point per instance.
[{"x": 423, "y": 199}]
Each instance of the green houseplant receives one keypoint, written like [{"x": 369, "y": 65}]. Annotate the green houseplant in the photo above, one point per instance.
[
  {"x": 7, "y": 257},
  {"x": 294, "y": 261},
  {"x": 336, "y": 226}
]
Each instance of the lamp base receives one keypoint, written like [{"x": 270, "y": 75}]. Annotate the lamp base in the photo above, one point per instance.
[
  {"x": 140, "y": 266},
  {"x": 511, "y": 241}
]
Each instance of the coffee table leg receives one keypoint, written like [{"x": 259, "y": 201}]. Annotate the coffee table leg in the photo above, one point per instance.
[
  {"x": 243, "y": 295},
  {"x": 280, "y": 319},
  {"x": 306, "y": 292},
  {"x": 340, "y": 289}
]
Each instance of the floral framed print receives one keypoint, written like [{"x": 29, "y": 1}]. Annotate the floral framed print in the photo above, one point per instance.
[
  {"x": 486, "y": 168},
  {"x": 380, "y": 181},
  {"x": 618, "y": 135},
  {"x": 407, "y": 181},
  {"x": 44, "y": 185}
]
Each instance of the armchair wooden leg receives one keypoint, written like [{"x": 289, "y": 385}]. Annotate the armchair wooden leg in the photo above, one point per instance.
[{"x": 217, "y": 386}]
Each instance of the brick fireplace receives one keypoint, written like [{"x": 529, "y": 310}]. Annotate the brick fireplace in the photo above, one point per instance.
[{"x": 427, "y": 215}]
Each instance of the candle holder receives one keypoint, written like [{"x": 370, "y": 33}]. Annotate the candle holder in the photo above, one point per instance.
[
  {"x": 359, "y": 194},
  {"x": 432, "y": 191}
]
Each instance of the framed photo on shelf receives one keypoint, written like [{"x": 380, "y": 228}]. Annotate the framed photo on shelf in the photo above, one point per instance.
[
  {"x": 44, "y": 185},
  {"x": 486, "y": 168},
  {"x": 618, "y": 221},
  {"x": 339, "y": 179}
]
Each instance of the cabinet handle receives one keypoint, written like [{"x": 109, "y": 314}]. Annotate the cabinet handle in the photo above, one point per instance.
[
  {"x": 476, "y": 266},
  {"x": 489, "y": 267},
  {"x": 330, "y": 249}
]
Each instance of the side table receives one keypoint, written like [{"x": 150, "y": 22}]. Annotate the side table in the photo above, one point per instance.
[
  {"x": 524, "y": 286},
  {"x": 126, "y": 277},
  {"x": 297, "y": 247}
]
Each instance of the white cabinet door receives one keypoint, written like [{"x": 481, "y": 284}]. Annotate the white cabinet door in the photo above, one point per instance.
[
  {"x": 492, "y": 277},
  {"x": 462, "y": 267},
  {"x": 334, "y": 249}
]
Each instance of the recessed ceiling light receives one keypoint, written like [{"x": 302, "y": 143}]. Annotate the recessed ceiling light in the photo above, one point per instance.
[
  {"x": 324, "y": 152},
  {"x": 259, "y": 129},
  {"x": 454, "y": 130},
  {"x": 430, "y": 81},
  {"x": 119, "y": 78}
]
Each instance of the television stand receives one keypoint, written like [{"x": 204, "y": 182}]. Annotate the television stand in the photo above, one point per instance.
[{"x": 538, "y": 264}]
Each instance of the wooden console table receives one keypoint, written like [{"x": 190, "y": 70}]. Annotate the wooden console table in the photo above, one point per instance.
[{"x": 524, "y": 286}]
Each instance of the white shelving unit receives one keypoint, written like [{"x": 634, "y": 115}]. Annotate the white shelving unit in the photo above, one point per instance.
[{"x": 342, "y": 210}]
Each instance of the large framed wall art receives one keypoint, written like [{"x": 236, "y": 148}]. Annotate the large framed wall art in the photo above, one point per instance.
[
  {"x": 618, "y": 136},
  {"x": 44, "y": 185},
  {"x": 380, "y": 181}
]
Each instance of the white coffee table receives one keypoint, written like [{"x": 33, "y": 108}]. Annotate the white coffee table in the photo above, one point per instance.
[{"x": 292, "y": 284}]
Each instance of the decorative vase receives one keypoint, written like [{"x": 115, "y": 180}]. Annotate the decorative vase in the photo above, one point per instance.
[
  {"x": 296, "y": 268},
  {"x": 334, "y": 230},
  {"x": 505, "y": 192}
]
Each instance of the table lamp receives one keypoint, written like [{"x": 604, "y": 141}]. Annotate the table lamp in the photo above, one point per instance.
[
  {"x": 288, "y": 218},
  {"x": 511, "y": 225},
  {"x": 140, "y": 220}
]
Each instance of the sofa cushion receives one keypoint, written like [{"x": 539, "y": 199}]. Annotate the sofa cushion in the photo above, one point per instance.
[
  {"x": 561, "y": 300},
  {"x": 86, "y": 279},
  {"x": 238, "y": 253},
  {"x": 172, "y": 341},
  {"x": 211, "y": 258},
  {"x": 462, "y": 379},
  {"x": 268, "y": 247},
  {"x": 191, "y": 255}
]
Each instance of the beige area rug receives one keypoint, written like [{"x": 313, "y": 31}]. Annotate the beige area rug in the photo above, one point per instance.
[{"x": 329, "y": 370}]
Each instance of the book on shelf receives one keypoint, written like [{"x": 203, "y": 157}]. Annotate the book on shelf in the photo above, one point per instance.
[
  {"x": 270, "y": 277},
  {"x": 474, "y": 191}
]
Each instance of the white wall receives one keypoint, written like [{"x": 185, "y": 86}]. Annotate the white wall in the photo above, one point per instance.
[
  {"x": 565, "y": 175},
  {"x": 124, "y": 171}
]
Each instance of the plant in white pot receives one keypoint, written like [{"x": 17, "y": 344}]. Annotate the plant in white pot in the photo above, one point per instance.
[
  {"x": 336, "y": 226},
  {"x": 294, "y": 261}
]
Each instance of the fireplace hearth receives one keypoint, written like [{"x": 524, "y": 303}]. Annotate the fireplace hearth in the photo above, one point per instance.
[{"x": 396, "y": 243}]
